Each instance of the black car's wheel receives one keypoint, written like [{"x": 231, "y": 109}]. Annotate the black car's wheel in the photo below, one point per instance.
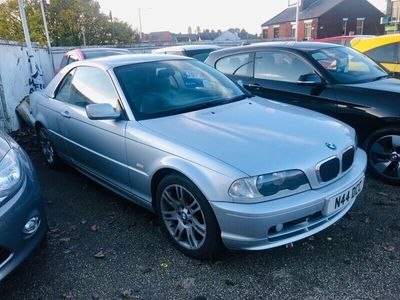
[
  {"x": 187, "y": 217},
  {"x": 383, "y": 149},
  {"x": 47, "y": 147}
]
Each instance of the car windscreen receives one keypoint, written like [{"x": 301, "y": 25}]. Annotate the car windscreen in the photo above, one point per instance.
[
  {"x": 347, "y": 65},
  {"x": 200, "y": 55},
  {"x": 103, "y": 53},
  {"x": 163, "y": 88}
]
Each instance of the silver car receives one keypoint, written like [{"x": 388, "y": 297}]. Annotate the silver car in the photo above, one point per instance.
[{"x": 218, "y": 166}]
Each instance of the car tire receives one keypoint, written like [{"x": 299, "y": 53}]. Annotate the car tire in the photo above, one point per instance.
[
  {"x": 383, "y": 150},
  {"x": 47, "y": 147},
  {"x": 187, "y": 218}
]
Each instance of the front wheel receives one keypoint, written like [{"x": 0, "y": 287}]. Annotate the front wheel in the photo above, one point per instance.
[
  {"x": 187, "y": 218},
  {"x": 383, "y": 149}
]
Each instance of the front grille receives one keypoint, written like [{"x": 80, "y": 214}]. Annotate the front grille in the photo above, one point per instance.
[
  {"x": 347, "y": 159},
  {"x": 329, "y": 169},
  {"x": 4, "y": 255}
]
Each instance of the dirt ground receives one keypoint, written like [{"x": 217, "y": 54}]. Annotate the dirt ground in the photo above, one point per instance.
[{"x": 100, "y": 246}]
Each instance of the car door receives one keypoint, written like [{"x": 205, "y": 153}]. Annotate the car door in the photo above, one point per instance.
[
  {"x": 286, "y": 77},
  {"x": 96, "y": 146}
]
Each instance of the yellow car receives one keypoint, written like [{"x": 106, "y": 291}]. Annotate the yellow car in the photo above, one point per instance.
[{"x": 383, "y": 49}]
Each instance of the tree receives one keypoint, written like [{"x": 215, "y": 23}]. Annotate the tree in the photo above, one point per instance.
[{"x": 68, "y": 20}]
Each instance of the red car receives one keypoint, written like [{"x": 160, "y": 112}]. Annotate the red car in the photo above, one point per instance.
[{"x": 88, "y": 53}]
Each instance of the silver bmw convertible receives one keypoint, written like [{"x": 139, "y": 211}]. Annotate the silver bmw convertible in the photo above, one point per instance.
[{"x": 218, "y": 166}]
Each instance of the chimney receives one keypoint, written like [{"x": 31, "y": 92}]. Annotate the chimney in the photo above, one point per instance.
[{"x": 306, "y": 3}]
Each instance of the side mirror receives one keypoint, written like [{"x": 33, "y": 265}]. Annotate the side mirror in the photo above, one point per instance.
[
  {"x": 310, "y": 79},
  {"x": 101, "y": 111}
]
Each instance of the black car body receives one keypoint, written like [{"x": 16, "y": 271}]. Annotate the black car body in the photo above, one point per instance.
[
  {"x": 330, "y": 79},
  {"x": 199, "y": 52}
]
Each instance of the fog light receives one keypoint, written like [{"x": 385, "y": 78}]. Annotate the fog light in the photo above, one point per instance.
[
  {"x": 279, "y": 227},
  {"x": 31, "y": 226}
]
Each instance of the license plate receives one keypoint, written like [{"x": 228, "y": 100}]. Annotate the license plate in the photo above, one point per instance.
[{"x": 341, "y": 200}]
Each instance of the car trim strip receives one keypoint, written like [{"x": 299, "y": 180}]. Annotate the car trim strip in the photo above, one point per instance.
[{"x": 101, "y": 155}]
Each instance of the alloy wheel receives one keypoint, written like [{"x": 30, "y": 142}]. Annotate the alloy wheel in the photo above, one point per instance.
[
  {"x": 183, "y": 217},
  {"x": 385, "y": 156}
]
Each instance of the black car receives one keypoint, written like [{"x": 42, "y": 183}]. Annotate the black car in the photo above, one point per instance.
[
  {"x": 199, "y": 52},
  {"x": 331, "y": 79}
]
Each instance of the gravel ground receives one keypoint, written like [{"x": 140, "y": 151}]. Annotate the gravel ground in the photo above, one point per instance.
[{"x": 103, "y": 247}]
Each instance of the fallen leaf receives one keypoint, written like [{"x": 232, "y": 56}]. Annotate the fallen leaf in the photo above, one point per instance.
[
  {"x": 290, "y": 245},
  {"x": 126, "y": 294},
  {"x": 311, "y": 238},
  {"x": 100, "y": 254},
  {"x": 164, "y": 265},
  {"x": 388, "y": 248},
  {"x": 83, "y": 222},
  {"x": 93, "y": 227},
  {"x": 367, "y": 220},
  {"x": 329, "y": 238}
]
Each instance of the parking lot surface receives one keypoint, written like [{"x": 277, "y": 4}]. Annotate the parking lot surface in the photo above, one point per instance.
[{"x": 100, "y": 246}]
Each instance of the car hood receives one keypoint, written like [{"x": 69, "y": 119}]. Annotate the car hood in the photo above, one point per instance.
[
  {"x": 386, "y": 85},
  {"x": 4, "y": 145},
  {"x": 257, "y": 136}
]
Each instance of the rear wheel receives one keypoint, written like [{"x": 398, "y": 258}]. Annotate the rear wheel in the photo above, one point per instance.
[
  {"x": 187, "y": 217},
  {"x": 47, "y": 147},
  {"x": 383, "y": 149}
]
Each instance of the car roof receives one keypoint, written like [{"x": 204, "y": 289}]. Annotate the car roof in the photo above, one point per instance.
[
  {"x": 109, "y": 62},
  {"x": 303, "y": 46},
  {"x": 89, "y": 50},
  {"x": 368, "y": 43},
  {"x": 188, "y": 48}
]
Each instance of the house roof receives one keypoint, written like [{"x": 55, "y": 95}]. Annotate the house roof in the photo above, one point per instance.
[{"x": 315, "y": 10}]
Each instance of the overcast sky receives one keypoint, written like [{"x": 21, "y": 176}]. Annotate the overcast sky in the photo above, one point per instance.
[{"x": 177, "y": 15}]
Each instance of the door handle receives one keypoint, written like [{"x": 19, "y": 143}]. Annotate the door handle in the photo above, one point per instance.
[
  {"x": 65, "y": 114},
  {"x": 256, "y": 86}
]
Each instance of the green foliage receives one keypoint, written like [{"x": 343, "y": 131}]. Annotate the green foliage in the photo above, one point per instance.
[{"x": 67, "y": 20}]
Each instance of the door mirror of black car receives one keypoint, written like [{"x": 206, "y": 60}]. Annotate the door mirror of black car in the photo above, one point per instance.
[
  {"x": 101, "y": 111},
  {"x": 310, "y": 79}
]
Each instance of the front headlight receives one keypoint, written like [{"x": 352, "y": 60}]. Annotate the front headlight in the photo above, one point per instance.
[
  {"x": 10, "y": 175},
  {"x": 270, "y": 186}
]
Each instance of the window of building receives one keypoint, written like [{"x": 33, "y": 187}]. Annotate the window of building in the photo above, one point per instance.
[
  {"x": 265, "y": 33},
  {"x": 396, "y": 11},
  {"x": 344, "y": 31},
  {"x": 276, "y": 32},
  {"x": 307, "y": 31},
  {"x": 293, "y": 30},
  {"x": 360, "y": 26}
]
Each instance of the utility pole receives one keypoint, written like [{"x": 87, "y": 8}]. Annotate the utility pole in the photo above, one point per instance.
[
  {"x": 140, "y": 25},
  {"x": 297, "y": 20},
  {"x": 112, "y": 28},
  {"x": 36, "y": 76},
  {"x": 47, "y": 33},
  {"x": 83, "y": 36}
]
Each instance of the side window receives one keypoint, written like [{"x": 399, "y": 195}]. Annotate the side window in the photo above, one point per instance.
[
  {"x": 64, "y": 61},
  {"x": 64, "y": 89},
  {"x": 240, "y": 65},
  {"x": 385, "y": 54},
  {"x": 280, "y": 66},
  {"x": 88, "y": 86},
  {"x": 72, "y": 59}
]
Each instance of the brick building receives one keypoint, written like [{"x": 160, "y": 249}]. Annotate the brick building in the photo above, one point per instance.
[{"x": 325, "y": 18}]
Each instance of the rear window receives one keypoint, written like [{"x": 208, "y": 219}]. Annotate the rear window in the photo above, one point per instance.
[{"x": 385, "y": 54}]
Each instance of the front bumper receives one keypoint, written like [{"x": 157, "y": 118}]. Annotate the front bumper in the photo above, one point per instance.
[
  {"x": 251, "y": 226},
  {"x": 15, "y": 246}
]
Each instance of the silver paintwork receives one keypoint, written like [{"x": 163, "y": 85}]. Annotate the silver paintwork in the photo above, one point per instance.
[{"x": 212, "y": 147}]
